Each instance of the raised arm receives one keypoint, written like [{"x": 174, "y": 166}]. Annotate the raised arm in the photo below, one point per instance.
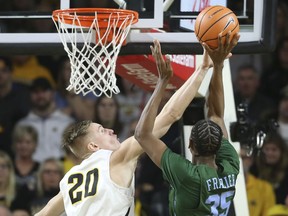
[
  {"x": 151, "y": 144},
  {"x": 174, "y": 108},
  {"x": 215, "y": 100},
  {"x": 178, "y": 103}
]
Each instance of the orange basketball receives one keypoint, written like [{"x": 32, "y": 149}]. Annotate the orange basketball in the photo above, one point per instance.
[{"x": 213, "y": 20}]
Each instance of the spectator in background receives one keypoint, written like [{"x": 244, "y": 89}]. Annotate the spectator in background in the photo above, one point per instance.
[
  {"x": 49, "y": 176},
  {"x": 48, "y": 121},
  {"x": 24, "y": 145},
  {"x": 271, "y": 165},
  {"x": 283, "y": 115},
  {"x": 281, "y": 31},
  {"x": 131, "y": 100},
  {"x": 7, "y": 180},
  {"x": 276, "y": 77},
  {"x": 246, "y": 91},
  {"x": 107, "y": 113},
  {"x": 26, "y": 68},
  {"x": 260, "y": 193},
  {"x": 14, "y": 104},
  {"x": 278, "y": 210},
  {"x": 282, "y": 18},
  {"x": 76, "y": 105}
]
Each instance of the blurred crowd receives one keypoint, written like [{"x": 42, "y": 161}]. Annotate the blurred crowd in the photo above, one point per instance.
[{"x": 35, "y": 109}]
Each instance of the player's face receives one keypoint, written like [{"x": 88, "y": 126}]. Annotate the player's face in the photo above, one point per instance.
[{"x": 103, "y": 137}]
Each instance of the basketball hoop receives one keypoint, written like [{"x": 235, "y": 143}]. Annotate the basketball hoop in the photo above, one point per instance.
[{"x": 92, "y": 38}]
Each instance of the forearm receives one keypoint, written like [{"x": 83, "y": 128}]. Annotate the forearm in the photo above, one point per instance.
[
  {"x": 151, "y": 144},
  {"x": 215, "y": 100},
  {"x": 146, "y": 122},
  {"x": 178, "y": 103}
]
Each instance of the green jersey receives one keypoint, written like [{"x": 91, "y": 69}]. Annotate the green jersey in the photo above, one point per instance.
[{"x": 201, "y": 189}]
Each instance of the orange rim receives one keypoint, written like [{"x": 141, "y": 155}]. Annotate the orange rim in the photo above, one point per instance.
[{"x": 87, "y": 16}]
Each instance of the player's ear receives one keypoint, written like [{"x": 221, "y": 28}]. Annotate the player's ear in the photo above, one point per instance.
[
  {"x": 92, "y": 147},
  {"x": 192, "y": 146}
]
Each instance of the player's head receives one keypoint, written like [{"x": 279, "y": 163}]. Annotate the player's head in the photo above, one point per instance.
[
  {"x": 205, "y": 138},
  {"x": 86, "y": 137}
]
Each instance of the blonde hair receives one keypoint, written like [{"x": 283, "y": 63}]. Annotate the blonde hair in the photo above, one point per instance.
[
  {"x": 40, "y": 186},
  {"x": 21, "y": 130},
  {"x": 73, "y": 137},
  {"x": 10, "y": 184}
]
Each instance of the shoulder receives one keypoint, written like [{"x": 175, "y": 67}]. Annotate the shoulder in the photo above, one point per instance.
[{"x": 172, "y": 159}]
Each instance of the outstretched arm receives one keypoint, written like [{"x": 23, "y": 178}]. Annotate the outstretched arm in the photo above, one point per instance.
[
  {"x": 215, "y": 100},
  {"x": 151, "y": 144},
  {"x": 174, "y": 108},
  {"x": 178, "y": 103}
]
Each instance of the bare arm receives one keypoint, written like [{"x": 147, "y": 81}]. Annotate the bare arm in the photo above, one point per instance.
[
  {"x": 172, "y": 111},
  {"x": 54, "y": 207},
  {"x": 175, "y": 107},
  {"x": 151, "y": 144},
  {"x": 215, "y": 100}
]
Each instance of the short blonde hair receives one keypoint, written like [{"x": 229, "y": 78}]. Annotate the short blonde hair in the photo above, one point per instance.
[
  {"x": 74, "y": 135},
  {"x": 20, "y": 131}
]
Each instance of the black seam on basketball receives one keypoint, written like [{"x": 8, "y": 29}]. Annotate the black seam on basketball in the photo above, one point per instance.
[
  {"x": 222, "y": 35},
  {"x": 217, "y": 11},
  {"x": 215, "y": 23},
  {"x": 202, "y": 19}
]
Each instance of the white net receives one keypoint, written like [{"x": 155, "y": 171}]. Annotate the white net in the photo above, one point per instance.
[{"x": 92, "y": 53}]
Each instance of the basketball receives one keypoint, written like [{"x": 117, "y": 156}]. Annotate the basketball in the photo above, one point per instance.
[{"x": 213, "y": 20}]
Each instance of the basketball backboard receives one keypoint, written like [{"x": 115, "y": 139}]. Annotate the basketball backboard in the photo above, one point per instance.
[{"x": 28, "y": 28}]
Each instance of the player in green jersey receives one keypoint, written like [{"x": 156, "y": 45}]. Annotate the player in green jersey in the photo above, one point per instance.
[{"x": 207, "y": 185}]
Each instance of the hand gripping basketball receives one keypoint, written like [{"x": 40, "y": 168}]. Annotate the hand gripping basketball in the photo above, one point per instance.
[{"x": 214, "y": 20}]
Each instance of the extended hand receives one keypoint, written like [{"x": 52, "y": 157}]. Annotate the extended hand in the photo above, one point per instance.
[
  {"x": 223, "y": 50},
  {"x": 164, "y": 66}
]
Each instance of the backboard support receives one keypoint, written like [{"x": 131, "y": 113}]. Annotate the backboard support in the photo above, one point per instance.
[{"x": 257, "y": 27}]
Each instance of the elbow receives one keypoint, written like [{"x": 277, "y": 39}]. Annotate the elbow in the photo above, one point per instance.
[
  {"x": 138, "y": 135},
  {"x": 173, "y": 114}
]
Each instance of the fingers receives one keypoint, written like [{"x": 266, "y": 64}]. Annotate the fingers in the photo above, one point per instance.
[
  {"x": 206, "y": 47},
  {"x": 220, "y": 44},
  {"x": 169, "y": 68},
  {"x": 152, "y": 51},
  {"x": 235, "y": 39},
  {"x": 228, "y": 56},
  {"x": 227, "y": 40}
]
